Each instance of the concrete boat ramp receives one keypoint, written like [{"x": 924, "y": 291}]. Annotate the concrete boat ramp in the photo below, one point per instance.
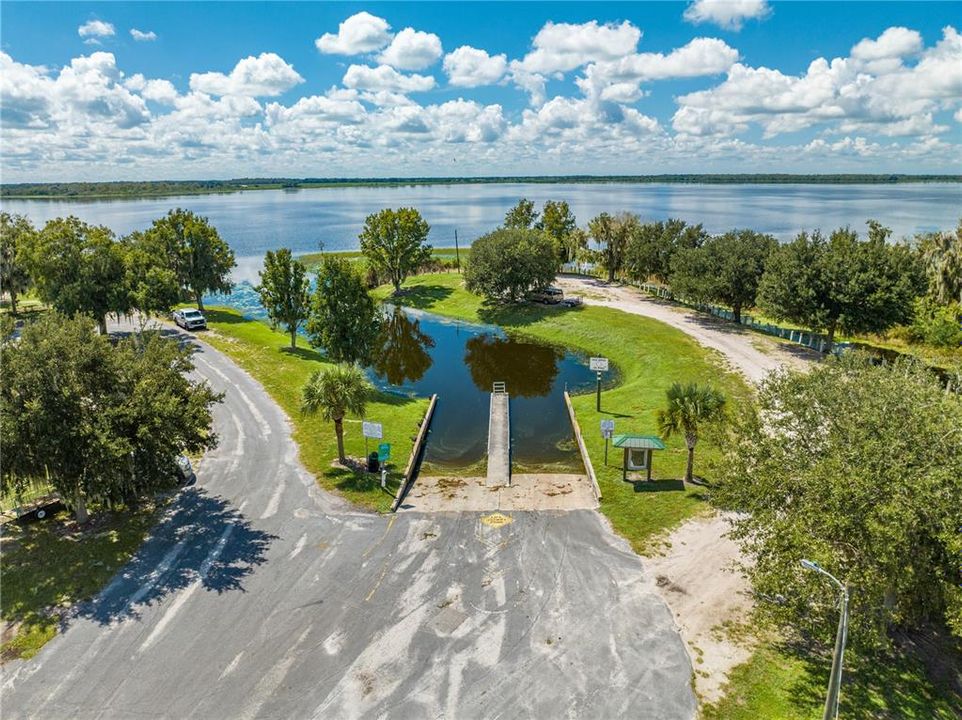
[{"x": 499, "y": 489}]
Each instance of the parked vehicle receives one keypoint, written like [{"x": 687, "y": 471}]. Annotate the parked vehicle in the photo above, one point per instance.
[
  {"x": 190, "y": 319},
  {"x": 185, "y": 473},
  {"x": 554, "y": 296},
  {"x": 548, "y": 296}
]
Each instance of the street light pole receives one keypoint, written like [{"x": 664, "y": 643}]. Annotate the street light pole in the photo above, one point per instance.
[{"x": 835, "y": 679}]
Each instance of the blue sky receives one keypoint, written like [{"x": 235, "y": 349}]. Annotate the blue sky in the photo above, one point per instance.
[{"x": 355, "y": 89}]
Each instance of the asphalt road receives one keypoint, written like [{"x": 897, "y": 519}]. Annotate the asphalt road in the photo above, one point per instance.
[{"x": 261, "y": 596}]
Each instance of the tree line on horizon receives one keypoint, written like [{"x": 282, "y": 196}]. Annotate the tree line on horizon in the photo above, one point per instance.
[{"x": 149, "y": 188}]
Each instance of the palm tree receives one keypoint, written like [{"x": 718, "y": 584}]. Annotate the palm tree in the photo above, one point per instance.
[
  {"x": 688, "y": 407},
  {"x": 334, "y": 393}
]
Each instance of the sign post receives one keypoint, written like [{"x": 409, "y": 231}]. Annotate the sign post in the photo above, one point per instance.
[
  {"x": 607, "y": 430},
  {"x": 599, "y": 365},
  {"x": 371, "y": 430}
]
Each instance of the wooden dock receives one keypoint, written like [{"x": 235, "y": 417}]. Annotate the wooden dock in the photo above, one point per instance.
[{"x": 499, "y": 438}]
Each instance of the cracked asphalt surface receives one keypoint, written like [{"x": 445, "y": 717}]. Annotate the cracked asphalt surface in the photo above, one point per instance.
[{"x": 260, "y": 595}]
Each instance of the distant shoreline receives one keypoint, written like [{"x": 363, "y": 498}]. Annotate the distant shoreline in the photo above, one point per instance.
[{"x": 168, "y": 188}]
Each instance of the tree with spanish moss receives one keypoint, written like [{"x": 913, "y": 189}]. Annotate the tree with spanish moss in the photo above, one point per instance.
[
  {"x": 79, "y": 268},
  {"x": 202, "y": 258},
  {"x": 101, "y": 422},
  {"x": 858, "y": 466},
  {"x": 16, "y": 233}
]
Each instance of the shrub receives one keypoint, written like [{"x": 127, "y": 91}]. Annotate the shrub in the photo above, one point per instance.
[{"x": 936, "y": 324}]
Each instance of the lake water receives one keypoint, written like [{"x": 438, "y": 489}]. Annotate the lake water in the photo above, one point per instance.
[
  {"x": 256, "y": 221},
  {"x": 424, "y": 354},
  {"x": 420, "y": 354}
]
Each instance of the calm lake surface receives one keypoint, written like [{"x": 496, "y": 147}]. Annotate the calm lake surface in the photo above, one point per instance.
[
  {"x": 421, "y": 354},
  {"x": 256, "y": 221}
]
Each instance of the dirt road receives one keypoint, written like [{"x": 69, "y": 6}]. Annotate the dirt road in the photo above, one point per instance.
[{"x": 752, "y": 354}]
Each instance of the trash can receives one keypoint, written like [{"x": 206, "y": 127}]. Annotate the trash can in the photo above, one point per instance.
[{"x": 373, "y": 464}]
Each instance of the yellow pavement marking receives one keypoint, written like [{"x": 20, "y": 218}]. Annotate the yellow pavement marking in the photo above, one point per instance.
[
  {"x": 378, "y": 583},
  {"x": 380, "y": 539},
  {"x": 496, "y": 520}
]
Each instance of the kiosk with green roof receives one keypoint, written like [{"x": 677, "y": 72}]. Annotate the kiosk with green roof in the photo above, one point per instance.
[{"x": 638, "y": 449}]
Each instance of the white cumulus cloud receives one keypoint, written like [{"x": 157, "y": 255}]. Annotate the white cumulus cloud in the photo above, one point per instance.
[
  {"x": 267, "y": 74},
  {"x": 896, "y": 42},
  {"x": 560, "y": 47},
  {"x": 384, "y": 77},
  {"x": 96, "y": 29},
  {"x": 867, "y": 93},
  {"x": 360, "y": 33},
  {"x": 471, "y": 67},
  {"x": 726, "y": 14},
  {"x": 412, "y": 50},
  {"x": 143, "y": 35},
  {"x": 620, "y": 78}
]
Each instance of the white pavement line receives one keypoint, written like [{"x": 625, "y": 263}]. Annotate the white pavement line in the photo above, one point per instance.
[
  {"x": 186, "y": 595},
  {"x": 298, "y": 547},
  {"x": 233, "y": 666},
  {"x": 157, "y": 572},
  {"x": 255, "y": 411},
  {"x": 275, "y": 500},
  {"x": 272, "y": 680}
]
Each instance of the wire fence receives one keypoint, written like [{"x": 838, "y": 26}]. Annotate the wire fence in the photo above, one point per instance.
[{"x": 813, "y": 341}]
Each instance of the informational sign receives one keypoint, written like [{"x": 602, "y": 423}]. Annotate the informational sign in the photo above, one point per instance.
[
  {"x": 599, "y": 364},
  {"x": 372, "y": 430},
  {"x": 607, "y": 428},
  {"x": 384, "y": 452}
]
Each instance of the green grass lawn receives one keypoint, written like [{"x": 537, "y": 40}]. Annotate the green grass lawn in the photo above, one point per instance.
[
  {"x": 648, "y": 357},
  {"x": 789, "y": 684},
  {"x": 312, "y": 260},
  {"x": 51, "y": 564},
  {"x": 267, "y": 356}
]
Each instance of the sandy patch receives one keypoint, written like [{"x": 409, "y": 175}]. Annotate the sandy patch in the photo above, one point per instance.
[
  {"x": 696, "y": 580},
  {"x": 526, "y": 492}
]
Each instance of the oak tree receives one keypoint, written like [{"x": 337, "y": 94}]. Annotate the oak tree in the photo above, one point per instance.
[
  {"x": 284, "y": 291},
  {"x": 507, "y": 264},
  {"x": 857, "y": 466},
  {"x": 16, "y": 233},
  {"x": 101, "y": 423},
  {"x": 725, "y": 269},
  {"x": 394, "y": 242},
  {"x": 841, "y": 282},
  {"x": 343, "y": 320}
]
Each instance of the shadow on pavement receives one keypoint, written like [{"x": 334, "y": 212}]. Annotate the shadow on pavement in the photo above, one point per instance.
[{"x": 200, "y": 539}]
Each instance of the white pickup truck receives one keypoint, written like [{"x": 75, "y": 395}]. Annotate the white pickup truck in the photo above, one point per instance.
[{"x": 190, "y": 319}]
